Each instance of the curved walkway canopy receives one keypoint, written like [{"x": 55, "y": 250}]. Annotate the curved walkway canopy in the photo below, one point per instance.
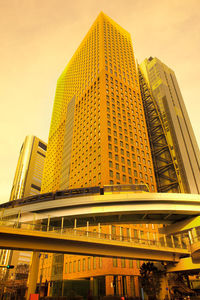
[{"x": 110, "y": 208}]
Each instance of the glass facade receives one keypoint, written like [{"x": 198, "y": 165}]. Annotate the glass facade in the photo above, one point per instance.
[{"x": 98, "y": 132}]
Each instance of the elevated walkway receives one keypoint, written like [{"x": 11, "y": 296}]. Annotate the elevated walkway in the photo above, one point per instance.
[
  {"x": 165, "y": 208},
  {"x": 73, "y": 241},
  {"x": 186, "y": 264}
]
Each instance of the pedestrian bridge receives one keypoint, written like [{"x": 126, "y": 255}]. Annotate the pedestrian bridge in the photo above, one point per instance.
[
  {"x": 37, "y": 237},
  {"x": 179, "y": 213}
]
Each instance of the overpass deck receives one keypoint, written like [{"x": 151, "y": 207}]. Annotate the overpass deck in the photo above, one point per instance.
[{"x": 81, "y": 242}]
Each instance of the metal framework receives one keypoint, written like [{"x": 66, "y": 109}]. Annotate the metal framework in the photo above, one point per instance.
[{"x": 164, "y": 167}]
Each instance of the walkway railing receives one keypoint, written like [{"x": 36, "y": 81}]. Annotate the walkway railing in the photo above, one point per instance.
[{"x": 162, "y": 241}]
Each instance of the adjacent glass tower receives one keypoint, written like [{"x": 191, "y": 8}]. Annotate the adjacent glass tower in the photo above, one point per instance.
[
  {"x": 98, "y": 133},
  {"x": 28, "y": 175},
  {"x": 27, "y": 182},
  {"x": 179, "y": 133}
]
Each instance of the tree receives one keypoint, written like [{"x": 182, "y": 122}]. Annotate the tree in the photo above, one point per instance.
[{"x": 150, "y": 280}]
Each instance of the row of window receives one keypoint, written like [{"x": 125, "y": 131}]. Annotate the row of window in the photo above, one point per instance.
[
  {"x": 124, "y": 263},
  {"x": 86, "y": 265},
  {"x": 135, "y": 181},
  {"x": 123, "y": 176}
]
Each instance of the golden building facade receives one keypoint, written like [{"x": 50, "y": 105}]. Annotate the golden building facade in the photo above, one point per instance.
[
  {"x": 179, "y": 133},
  {"x": 101, "y": 275},
  {"x": 98, "y": 134},
  {"x": 28, "y": 175},
  {"x": 27, "y": 182}
]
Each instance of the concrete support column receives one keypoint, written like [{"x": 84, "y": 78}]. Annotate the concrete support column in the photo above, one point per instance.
[
  {"x": 109, "y": 285},
  {"x": 91, "y": 286},
  {"x": 164, "y": 292},
  {"x": 49, "y": 288},
  {"x": 33, "y": 274}
]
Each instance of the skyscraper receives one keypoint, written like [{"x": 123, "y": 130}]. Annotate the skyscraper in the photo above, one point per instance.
[
  {"x": 98, "y": 136},
  {"x": 180, "y": 136},
  {"x": 98, "y": 133},
  {"x": 27, "y": 182},
  {"x": 28, "y": 175}
]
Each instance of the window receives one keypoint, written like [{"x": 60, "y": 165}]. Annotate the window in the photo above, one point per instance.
[
  {"x": 70, "y": 267},
  {"x": 113, "y": 230},
  {"x": 94, "y": 263},
  {"x": 89, "y": 263},
  {"x": 74, "y": 266},
  {"x": 130, "y": 263},
  {"x": 100, "y": 262},
  {"x": 123, "y": 263},
  {"x": 79, "y": 265},
  {"x": 135, "y": 233},
  {"x": 83, "y": 264},
  {"x": 43, "y": 146},
  {"x": 115, "y": 262}
]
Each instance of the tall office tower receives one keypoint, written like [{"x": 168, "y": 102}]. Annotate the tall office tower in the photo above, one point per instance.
[
  {"x": 27, "y": 182},
  {"x": 163, "y": 84},
  {"x": 98, "y": 133},
  {"x": 168, "y": 177},
  {"x": 28, "y": 175}
]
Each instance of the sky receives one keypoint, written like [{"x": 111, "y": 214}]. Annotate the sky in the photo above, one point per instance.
[{"x": 38, "y": 38}]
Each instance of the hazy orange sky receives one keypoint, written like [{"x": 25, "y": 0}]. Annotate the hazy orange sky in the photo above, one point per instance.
[{"x": 38, "y": 38}]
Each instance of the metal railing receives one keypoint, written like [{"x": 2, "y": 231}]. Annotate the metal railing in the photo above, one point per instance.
[{"x": 162, "y": 241}]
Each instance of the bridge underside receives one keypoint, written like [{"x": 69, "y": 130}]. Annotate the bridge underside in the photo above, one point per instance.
[
  {"x": 112, "y": 208},
  {"x": 24, "y": 239}
]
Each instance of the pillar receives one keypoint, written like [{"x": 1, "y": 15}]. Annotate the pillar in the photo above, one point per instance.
[{"x": 33, "y": 274}]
